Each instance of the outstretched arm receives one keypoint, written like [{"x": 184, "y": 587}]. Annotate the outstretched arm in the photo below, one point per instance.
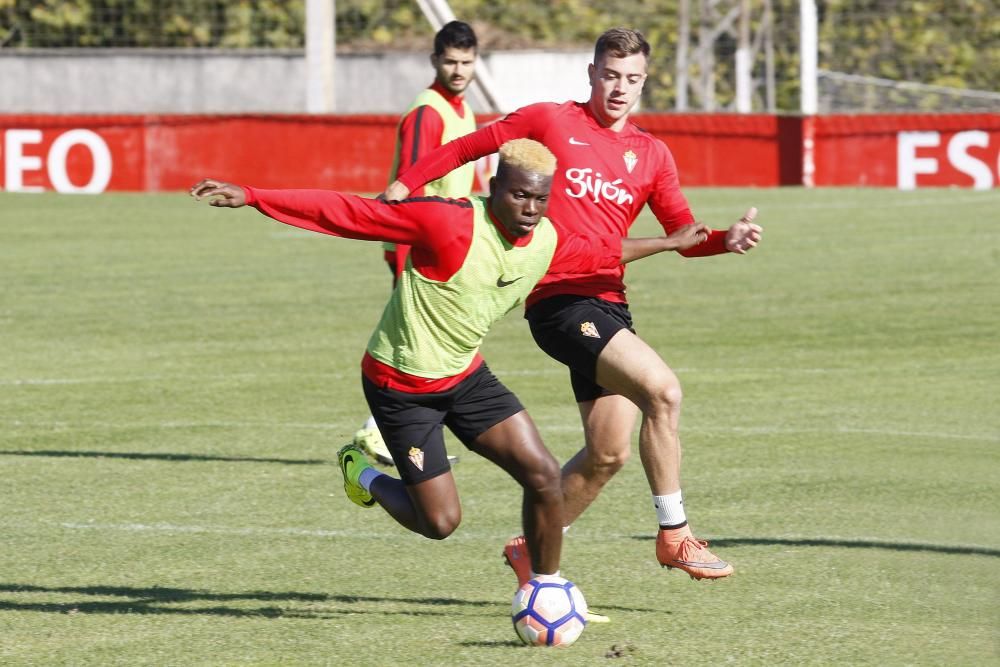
[
  {"x": 527, "y": 122},
  {"x": 323, "y": 211},
  {"x": 442, "y": 160},
  {"x": 744, "y": 235},
  {"x": 682, "y": 239},
  {"x": 738, "y": 239},
  {"x": 672, "y": 211},
  {"x": 225, "y": 194},
  {"x": 584, "y": 253}
]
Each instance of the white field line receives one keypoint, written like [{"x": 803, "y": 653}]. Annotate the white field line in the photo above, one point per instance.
[
  {"x": 892, "y": 202},
  {"x": 985, "y": 437},
  {"x": 129, "y": 379},
  {"x": 548, "y": 370},
  {"x": 19, "y": 382},
  {"x": 318, "y": 426},
  {"x": 169, "y": 528},
  {"x": 543, "y": 426},
  {"x": 217, "y": 530},
  {"x": 769, "y": 430},
  {"x": 772, "y": 430}
]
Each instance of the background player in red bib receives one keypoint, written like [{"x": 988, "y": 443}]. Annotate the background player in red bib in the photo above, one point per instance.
[
  {"x": 437, "y": 115},
  {"x": 609, "y": 169}
]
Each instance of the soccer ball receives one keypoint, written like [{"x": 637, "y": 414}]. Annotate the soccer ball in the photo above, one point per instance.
[{"x": 549, "y": 611}]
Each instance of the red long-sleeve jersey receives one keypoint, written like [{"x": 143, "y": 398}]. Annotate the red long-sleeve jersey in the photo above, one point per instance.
[
  {"x": 438, "y": 229},
  {"x": 439, "y": 232},
  {"x": 603, "y": 180}
]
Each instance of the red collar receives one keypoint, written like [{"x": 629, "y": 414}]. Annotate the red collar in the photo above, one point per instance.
[
  {"x": 456, "y": 100},
  {"x": 596, "y": 124}
]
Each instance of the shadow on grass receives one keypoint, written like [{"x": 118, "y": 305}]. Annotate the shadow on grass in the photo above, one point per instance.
[
  {"x": 290, "y": 604},
  {"x": 506, "y": 644},
  {"x": 159, "y": 600},
  {"x": 955, "y": 549},
  {"x": 143, "y": 456}
]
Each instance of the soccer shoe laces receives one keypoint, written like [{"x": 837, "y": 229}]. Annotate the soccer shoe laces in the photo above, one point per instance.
[{"x": 691, "y": 546}]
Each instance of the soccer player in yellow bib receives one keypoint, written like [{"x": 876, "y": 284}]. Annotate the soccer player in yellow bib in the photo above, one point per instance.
[{"x": 472, "y": 261}]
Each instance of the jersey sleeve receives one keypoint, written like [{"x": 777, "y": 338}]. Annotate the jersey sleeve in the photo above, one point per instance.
[
  {"x": 528, "y": 122},
  {"x": 671, "y": 209},
  {"x": 666, "y": 200},
  {"x": 420, "y": 132},
  {"x": 344, "y": 215},
  {"x": 580, "y": 253}
]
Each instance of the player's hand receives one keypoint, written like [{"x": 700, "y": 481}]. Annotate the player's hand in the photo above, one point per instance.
[
  {"x": 744, "y": 234},
  {"x": 688, "y": 236},
  {"x": 225, "y": 194},
  {"x": 396, "y": 192}
]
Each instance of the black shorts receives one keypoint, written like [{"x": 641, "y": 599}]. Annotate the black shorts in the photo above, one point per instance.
[
  {"x": 574, "y": 330},
  {"x": 411, "y": 424}
]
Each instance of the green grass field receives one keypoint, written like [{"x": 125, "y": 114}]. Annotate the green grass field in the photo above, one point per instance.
[{"x": 175, "y": 381}]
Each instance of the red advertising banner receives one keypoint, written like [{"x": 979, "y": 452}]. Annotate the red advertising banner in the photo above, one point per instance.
[
  {"x": 730, "y": 149},
  {"x": 164, "y": 153},
  {"x": 91, "y": 154},
  {"x": 87, "y": 154},
  {"x": 908, "y": 150}
]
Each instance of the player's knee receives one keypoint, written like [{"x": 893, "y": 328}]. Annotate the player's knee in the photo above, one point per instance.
[
  {"x": 664, "y": 396},
  {"x": 442, "y": 524},
  {"x": 606, "y": 461},
  {"x": 544, "y": 478}
]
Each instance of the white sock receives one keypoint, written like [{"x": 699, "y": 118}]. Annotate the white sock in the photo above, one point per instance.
[
  {"x": 670, "y": 509},
  {"x": 369, "y": 423},
  {"x": 565, "y": 529},
  {"x": 368, "y": 476}
]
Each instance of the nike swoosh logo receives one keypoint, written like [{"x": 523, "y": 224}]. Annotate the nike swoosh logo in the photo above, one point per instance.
[
  {"x": 503, "y": 283},
  {"x": 574, "y": 142}
]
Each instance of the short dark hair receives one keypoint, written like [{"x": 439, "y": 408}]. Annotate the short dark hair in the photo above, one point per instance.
[
  {"x": 620, "y": 43},
  {"x": 455, "y": 35}
]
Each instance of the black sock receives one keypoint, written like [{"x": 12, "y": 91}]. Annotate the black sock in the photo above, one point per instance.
[{"x": 673, "y": 527}]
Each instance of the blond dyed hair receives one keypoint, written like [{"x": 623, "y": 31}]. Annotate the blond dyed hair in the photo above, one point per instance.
[{"x": 528, "y": 155}]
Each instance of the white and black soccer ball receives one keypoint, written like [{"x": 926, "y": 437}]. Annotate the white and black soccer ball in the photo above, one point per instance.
[{"x": 549, "y": 611}]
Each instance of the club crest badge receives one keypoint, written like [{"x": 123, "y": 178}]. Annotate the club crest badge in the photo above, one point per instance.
[
  {"x": 588, "y": 329},
  {"x": 416, "y": 457},
  {"x": 631, "y": 159}
]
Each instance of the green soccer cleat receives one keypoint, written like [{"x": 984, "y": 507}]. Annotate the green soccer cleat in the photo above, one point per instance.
[{"x": 352, "y": 462}]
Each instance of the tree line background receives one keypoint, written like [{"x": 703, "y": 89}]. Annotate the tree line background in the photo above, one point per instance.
[{"x": 939, "y": 42}]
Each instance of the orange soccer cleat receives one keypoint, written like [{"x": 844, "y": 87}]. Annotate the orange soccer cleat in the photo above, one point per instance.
[
  {"x": 515, "y": 552},
  {"x": 678, "y": 548}
]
